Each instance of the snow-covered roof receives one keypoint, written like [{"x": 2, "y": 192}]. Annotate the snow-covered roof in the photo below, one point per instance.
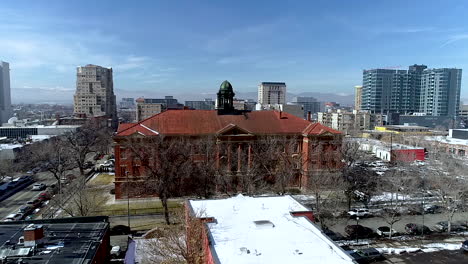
[
  {"x": 263, "y": 230},
  {"x": 448, "y": 140}
]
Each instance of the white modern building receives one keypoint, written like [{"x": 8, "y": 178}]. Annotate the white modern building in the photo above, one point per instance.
[
  {"x": 5, "y": 97},
  {"x": 271, "y": 230}
]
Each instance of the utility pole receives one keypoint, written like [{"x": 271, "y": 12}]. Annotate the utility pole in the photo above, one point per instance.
[
  {"x": 391, "y": 145},
  {"x": 128, "y": 199}
]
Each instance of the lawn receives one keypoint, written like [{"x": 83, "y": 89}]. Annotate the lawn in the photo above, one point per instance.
[
  {"x": 102, "y": 179},
  {"x": 136, "y": 207}
]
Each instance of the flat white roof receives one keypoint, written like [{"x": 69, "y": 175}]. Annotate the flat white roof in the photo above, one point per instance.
[{"x": 262, "y": 230}]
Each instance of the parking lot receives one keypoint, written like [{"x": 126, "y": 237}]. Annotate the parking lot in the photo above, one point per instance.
[{"x": 439, "y": 257}]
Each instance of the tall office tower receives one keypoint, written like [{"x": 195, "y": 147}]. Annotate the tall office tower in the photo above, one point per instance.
[
  {"x": 270, "y": 93},
  {"x": 309, "y": 104},
  {"x": 391, "y": 91},
  {"x": 440, "y": 92},
  {"x": 414, "y": 80},
  {"x": 5, "y": 98},
  {"x": 94, "y": 94},
  {"x": 357, "y": 97},
  {"x": 377, "y": 86}
]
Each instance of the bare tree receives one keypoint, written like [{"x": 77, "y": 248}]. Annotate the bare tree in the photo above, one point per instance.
[
  {"x": 87, "y": 139},
  {"x": 182, "y": 242},
  {"x": 445, "y": 180},
  {"x": 79, "y": 199},
  {"x": 6, "y": 168},
  {"x": 166, "y": 163}
]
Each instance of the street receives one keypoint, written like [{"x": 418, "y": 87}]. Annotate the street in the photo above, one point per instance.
[
  {"x": 374, "y": 222},
  {"x": 14, "y": 202}
]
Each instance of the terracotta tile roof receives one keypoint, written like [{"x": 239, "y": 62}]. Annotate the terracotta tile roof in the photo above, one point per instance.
[
  {"x": 317, "y": 129},
  {"x": 124, "y": 126},
  {"x": 203, "y": 122}
]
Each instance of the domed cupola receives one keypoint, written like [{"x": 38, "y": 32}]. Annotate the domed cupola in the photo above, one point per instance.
[{"x": 226, "y": 94}]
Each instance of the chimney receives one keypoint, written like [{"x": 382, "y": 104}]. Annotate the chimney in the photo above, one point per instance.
[
  {"x": 308, "y": 116},
  {"x": 33, "y": 235}
]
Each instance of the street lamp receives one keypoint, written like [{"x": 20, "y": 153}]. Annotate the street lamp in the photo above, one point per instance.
[{"x": 357, "y": 228}]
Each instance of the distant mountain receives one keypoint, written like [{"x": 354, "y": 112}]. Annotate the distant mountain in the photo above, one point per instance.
[
  {"x": 65, "y": 95},
  {"x": 345, "y": 100}
]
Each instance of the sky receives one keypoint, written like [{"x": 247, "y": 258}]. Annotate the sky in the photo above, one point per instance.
[{"x": 178, "y": 47}]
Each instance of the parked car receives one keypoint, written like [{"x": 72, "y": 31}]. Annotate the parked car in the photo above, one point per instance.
[
  {"x": 115, "y": 251},
  {"x": 44, "y": 196},
  {"x": 39, "y": 187},
  {"x": 13, "y": 217},
  {"x": 359, "y": 231},
  {"x": 35, "y": 203},
  {"x": 333, "y": 235},
  {"x": 432, "y": 209},
  {"x": 465, "y": 245},
  {"x": 385, "y": 231},
  {"x": 120, "y": 230},
  {"x": 370, "y": 254},
  {"x": 25, "y": 209},
  {"x": 443, "y": 227},
  {"x": 360, "y": 212},
  {"x": 416, "y": 229}
]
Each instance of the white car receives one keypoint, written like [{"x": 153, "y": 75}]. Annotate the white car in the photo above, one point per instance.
[
  {"x": 385, "y": 231},
  {"x": 13, "y": 217},
  {"x": 360, "y": 212},
  {"x": 38, "y": 187}
]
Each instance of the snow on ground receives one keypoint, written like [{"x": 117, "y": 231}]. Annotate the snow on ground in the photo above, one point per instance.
[
  {"x": 387, "y": 196},
  {"x": 432, "y": 247}
]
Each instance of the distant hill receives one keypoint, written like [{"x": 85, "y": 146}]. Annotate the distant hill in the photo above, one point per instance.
[{"x": 65, "y": 95}]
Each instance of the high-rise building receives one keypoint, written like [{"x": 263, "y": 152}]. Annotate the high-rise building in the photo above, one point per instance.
[
  {"x": 5, "y": 98},
  {"x": 357, "y": 97},
  {"x": 309, "y": 104},
  {"x": 270, "y": 93},
  {"x": 440, "y": 93},
  {"x": 435, "y": 92},
  {"x": 94, "y": 94}
]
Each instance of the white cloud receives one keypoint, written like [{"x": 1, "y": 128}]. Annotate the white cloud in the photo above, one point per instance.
[{"x": 454, "y": 38}]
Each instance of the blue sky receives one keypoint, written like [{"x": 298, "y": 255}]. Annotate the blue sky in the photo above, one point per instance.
[{"x": 177, "y": 47}]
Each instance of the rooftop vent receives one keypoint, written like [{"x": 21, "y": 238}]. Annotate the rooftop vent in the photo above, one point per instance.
[{"x": 264, "y": 224}]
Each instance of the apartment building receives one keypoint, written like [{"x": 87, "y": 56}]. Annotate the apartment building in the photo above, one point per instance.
[{"x": 94, "y": 94}]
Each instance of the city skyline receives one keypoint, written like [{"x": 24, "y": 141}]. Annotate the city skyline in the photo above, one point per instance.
[{"x": 313, "y": 47}]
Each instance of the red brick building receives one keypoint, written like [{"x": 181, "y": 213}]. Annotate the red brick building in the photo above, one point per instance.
[{"x": 234, "y": 131}]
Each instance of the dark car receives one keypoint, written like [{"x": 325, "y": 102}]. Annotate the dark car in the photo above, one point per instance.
[
  {"x": 359, "y": 231},
  {"x": 35, "y": 203},
  {"x": 465, "y": 245},
  {"x": 370, "y": 254},
  {"x": 432, "y": 209},
  {"x": 443, "y": 227},
  {"x": 332, "y": 235},
  {"x": 120, "y": 230},
  {"x": 25, "y": 210},
  {"x": 416, "y": 229}
]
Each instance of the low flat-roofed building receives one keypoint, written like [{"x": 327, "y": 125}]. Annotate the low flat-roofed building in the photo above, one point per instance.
[
  {"x": 279, "y": 229},
  {"x": 399, "y": 129},
  {"x": 391, "y": 151},
  {"x": 56, "y": 241},
  {"x": 456, "y": 142}
]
